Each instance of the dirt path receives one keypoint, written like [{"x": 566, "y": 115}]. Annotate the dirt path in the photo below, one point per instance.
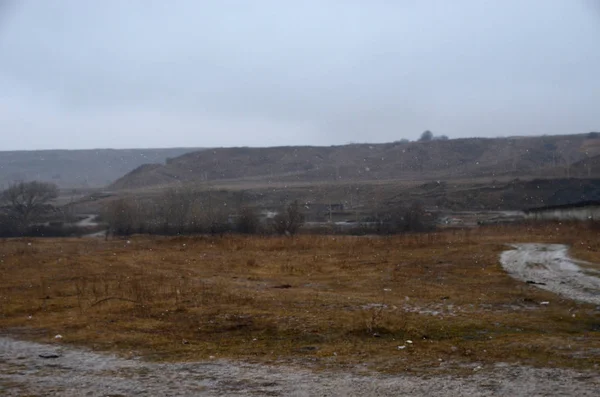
[
  {"x": 549, "y": 266},
  {"x": 88, "y": 221},
  {"x": 74, "y": 372}
]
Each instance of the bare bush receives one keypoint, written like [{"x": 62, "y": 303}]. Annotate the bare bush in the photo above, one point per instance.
[
  {"x": 290, "y": 220},
  {"x": 248, "y": 221},
  {"x": 122, "y": 217},
  {"x": 401, "y": 219},
  {"x": 176, "y": 212},
  {"x": 8, "y": 225},
  {"x": 176, "y": 209}
]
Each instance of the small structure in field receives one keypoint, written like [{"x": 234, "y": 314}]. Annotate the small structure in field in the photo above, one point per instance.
[{"x": 581, "y": 211}]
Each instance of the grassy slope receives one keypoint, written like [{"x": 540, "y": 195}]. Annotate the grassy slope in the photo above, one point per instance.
[{"x": 303, "y": 300}]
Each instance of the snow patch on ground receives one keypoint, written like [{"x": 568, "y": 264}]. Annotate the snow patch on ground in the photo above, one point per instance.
[{"x": 548, "y": 266}]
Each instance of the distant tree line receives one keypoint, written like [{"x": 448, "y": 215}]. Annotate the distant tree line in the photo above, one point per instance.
[
  {"x": 399, "y": 218},
  {"x": 183, "y": 210},
  {"x": 26, "y": 209}
]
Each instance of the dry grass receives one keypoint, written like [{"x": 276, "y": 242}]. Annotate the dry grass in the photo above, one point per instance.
[{"x": 331, "y": 301}]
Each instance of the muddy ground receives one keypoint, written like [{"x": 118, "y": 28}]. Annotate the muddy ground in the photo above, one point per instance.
[
  {"x": 28, "y": 368},
  {"x": 549, "y": 266}
]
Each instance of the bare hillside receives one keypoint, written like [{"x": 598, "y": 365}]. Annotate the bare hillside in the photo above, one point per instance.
[{"x": 550, "y": 156}]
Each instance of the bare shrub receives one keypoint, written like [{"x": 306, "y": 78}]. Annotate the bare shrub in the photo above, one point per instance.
[
  {"x": 401, "y": 219},
  {"x": 248, "y": 221},
  {"x": 290, "y": 220},
  {"x": 175, "y": 209},
  {"x": 122, "y": 217}
]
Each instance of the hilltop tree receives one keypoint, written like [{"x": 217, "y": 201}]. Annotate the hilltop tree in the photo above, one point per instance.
[
  {"x": 426, "y": 136},
  {"x": 26, "y": 201}
]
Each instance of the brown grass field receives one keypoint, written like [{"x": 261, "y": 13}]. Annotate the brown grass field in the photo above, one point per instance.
[{"x": 323, "y": 301}]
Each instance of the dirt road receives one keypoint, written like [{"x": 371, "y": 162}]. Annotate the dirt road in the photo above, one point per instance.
[
  {"x": 73, "y": 372},
  {"x": 88, "y": 221},
  {"x": 549, "y": 266}
]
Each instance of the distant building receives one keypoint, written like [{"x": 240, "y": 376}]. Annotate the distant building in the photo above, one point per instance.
[{"x": 581, "y": 211}]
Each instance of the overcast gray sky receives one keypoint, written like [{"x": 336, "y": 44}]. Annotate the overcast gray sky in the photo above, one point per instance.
[{"x": 144, "y": 73}]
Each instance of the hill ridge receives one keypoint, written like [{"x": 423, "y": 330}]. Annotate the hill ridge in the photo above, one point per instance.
[{"x": 551, "y": 156}]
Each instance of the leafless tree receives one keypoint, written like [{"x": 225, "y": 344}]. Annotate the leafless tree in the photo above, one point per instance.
[
  {"x": 26, "y": 201},
  {"x": 176, "y": 207},
  {"x": 289, "y": 220},
  {"x": 248, "y": 221},
  {"x": 122, "y": 217}
]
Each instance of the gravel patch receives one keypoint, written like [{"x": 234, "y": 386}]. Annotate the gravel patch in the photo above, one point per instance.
[{"x": 28, "y": 368}]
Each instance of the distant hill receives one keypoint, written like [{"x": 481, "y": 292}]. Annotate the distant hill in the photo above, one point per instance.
[
  {"x": 514, "y": 194},
  {"x": 548, "y": 156},
  {"x": 588, "y": 167},
  {"x": 78, "y": 168}
]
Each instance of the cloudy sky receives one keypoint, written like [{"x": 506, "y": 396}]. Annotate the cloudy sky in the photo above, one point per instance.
[{"x": 150, "y": 73}]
